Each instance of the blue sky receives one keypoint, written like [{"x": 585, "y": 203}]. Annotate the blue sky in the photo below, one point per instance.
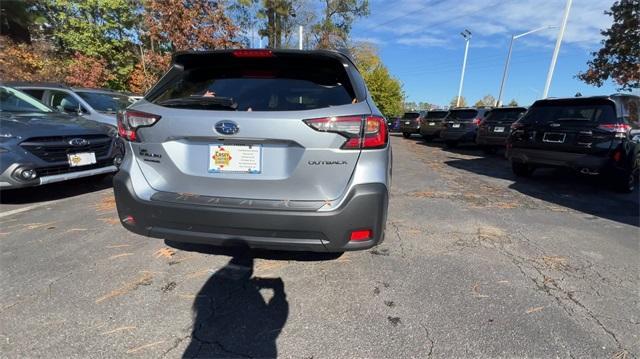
[{"x": 420, "y": 42}]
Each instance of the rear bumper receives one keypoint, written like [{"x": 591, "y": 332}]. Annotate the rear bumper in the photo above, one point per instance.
[
  {"x": 485, "y": 140},
  {"x": 364, "y": 208},
  {"x": 427, "y": 130},
  {"x": 461, "y": 136},
  {"x": 409, "y": 128},
  {"x": 577, "y": 161}
]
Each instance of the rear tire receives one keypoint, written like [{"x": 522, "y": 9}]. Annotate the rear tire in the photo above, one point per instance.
[
  {"x": 451, "y": 143},
  {"x": 406, "y": 134},
  {"x": 625, "y": 181},
  {"x": 522, "y": 169}
]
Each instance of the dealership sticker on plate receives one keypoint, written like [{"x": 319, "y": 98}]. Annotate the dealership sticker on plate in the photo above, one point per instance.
[
  {"x": 235, "y": 158},
  {"x": 81, "y": 159}
]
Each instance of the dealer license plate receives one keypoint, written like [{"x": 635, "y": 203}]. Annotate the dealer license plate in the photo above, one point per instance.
[
  {"x": 235, "y": 158},
  {"x": 81, "y": 159},
  {"x": 498, "y": 129}
]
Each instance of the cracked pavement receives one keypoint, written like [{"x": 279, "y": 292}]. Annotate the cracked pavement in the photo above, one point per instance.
[{"x": 475, "y": 264}]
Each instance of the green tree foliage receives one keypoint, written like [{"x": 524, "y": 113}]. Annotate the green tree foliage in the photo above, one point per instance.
[
  {"x": 487, "y": 100},
  {"x": 100, "y": 29},
  {"x": 463, "y": 101},
  {"x": 413, "y": 106},
  {"x": 513, "y": 103},
  {"x": 619, "y": 57},
  {"x": 332, "y": 31},
  {"x": 279, "y": 15},
  {"x": 386, "y": 90}
]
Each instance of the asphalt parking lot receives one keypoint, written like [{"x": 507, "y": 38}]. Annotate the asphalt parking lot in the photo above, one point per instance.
[{"x": 474, "y": 264}]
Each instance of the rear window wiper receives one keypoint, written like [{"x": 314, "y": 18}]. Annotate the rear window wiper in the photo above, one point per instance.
[
  {"x": 201, "y": 101},
  {"x": 572, "y": 119}
]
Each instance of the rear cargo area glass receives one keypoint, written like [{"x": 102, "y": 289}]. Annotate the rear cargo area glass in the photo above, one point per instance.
[
  {"x": 504, "y": 115},
  {"x": 264, "y": 84},
  {"x": 597, "y": 113},
  {"x": 462, "y": 115}
]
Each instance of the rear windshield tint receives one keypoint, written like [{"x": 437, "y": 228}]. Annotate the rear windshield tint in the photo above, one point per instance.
[
  {"x": 410, "y": 115},
  {"x": 547, "y": 113},
  {"x": 436, "y": 114},
  {"x": 462, "y": 114},
  {"x": 271, "y": 84},
  {"x": 505, "y": 115}
]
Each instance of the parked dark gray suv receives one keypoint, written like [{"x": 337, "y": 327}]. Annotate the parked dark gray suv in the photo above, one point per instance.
[
  {"x": 494, "y": 129},
  {"x": 40, "y": 146},
  {"x": 592, "y": 135},
  {"x": 461, "y": 125}
]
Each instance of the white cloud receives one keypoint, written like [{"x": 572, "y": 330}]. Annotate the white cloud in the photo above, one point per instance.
[{"x": 438, "y": 22}]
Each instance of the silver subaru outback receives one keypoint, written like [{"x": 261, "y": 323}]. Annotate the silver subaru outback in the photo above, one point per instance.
[{"x": 278, "y": 149}]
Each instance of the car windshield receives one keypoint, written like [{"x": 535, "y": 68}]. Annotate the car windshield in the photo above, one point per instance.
[
  {"x": 436, "y": 114},
  {"x": 104, "y": 101},
  {"x": 505, "y": 114},
  {"x": 12, "y": 100},
  {"x": 410, "y": 115},
  {"x": 455, "y": 115},
  {"x": 563, "y": 112}
]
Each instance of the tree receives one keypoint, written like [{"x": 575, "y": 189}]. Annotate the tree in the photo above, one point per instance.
[
  {"x": 513, "y": 103},
  {"x": 147, "y": 71},
  {"x": 16, "y": 20},
  {"x": 463, "y": 101},
  {"x": 279, "y": 15},
  {"x": 88, "y": 71},
  {"x": 619, "y": 57},
  {"x": 104, "y": 30},
  {"x": 177, "y": 25},
  {"x": 34, "y": 62},
  {"x": 385, "y": 90},
  {"x": 332, "y": 31},
  {"x": 487, "y": 100}
]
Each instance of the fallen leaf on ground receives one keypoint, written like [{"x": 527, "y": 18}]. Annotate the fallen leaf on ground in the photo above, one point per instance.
[
  {"x": 133, "y": 350},
  {"x": 535, "y": 309},
  {"x": 165, "y": 252},
  {"x": 120, "y": 255}
]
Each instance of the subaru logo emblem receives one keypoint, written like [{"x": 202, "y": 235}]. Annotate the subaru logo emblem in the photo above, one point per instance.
[
  {"x": 226, "y": 128},
  {"x": 78, "y": 142}
]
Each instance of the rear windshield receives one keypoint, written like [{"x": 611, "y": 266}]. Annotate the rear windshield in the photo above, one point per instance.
[
  {"x": 271, "y": 84},
  {"x": 105, "y": 102},
  {"x": 462, "y": 115},
  {"x": 505, "y": 115},
  {"x": 598, "y": 113},
  {"x": 410, "y": 115},
  {"x": 436, "y": 114}
]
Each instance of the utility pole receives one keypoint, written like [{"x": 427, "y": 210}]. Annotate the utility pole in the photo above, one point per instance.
[
  {"x": 505, "y": 74},
  {"x": 556, "y": 51},
  {"x": 300, "y": 36},
  {"x": 467, "y": 37}
]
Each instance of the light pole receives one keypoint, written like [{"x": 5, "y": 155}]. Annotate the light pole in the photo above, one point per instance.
[
  {"x": 505, "y": 74},
  {"x": 554, "y": 58},
  {"x": 467, "y": 37},
  {"x": 300, "y": 36}
]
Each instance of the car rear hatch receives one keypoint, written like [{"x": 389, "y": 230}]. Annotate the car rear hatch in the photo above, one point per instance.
[
  {"x": 498, "y": 121},
  {"x": 461, "y": 120},
  {"x": 586, "y": 126},
  {"x": 434, "y": 118},
  {"x": 255, "y": 125},
  {"x": 410, "y": 120}
]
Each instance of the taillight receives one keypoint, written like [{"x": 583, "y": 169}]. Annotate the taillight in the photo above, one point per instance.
[
  {"x": 620, "y": 129},
  {"x": 477, "y": 121},
  {"x": 252, "y": 53},
  {"x": 361, "y": 132},
  {"x": 130, "y": 121}
]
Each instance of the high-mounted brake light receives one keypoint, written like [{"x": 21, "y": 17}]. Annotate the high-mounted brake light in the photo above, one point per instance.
[
  {"x": 362, "y": 132},
  {"x": 252, "y": 53},
  {"x": 130, "y": 121}
]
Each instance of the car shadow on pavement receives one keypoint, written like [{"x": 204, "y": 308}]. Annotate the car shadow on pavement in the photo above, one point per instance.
[
  {"x": 55, "y": 191},
  {"x": 232, "y": 318},
  {"x": 238, "y": 248},
  {"x": 588, "y": 194}
]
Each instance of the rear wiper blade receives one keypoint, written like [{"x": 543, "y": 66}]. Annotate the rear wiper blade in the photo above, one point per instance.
[
  {"x": 204, "y": 101},
  {"x": 572, "y": 119}
]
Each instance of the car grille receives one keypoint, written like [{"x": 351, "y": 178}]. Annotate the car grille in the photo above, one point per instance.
[
  {"x": 58, "y": 170},
  {"x": 56, "y": 149}
]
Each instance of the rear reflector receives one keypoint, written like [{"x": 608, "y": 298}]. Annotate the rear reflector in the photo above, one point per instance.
[
  {"x": 361, "y": 235},
  {"x": 353, "y": 128},
  {"x": 252, "y": 53}
]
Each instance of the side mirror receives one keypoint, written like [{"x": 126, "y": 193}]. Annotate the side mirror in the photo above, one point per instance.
[{"x": 70, "y": 108}]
